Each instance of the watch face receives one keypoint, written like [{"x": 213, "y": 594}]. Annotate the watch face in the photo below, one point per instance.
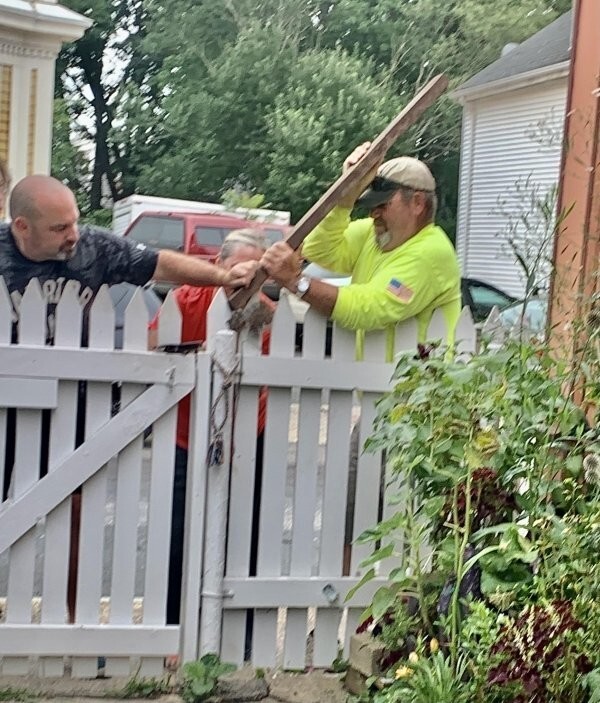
[{"x": 303, "y": 285}]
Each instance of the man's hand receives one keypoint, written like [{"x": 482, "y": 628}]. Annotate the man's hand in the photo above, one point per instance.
[
  {"x": 240, "y": 275},
  {"x": 350, "y": 198},
  {"x": 283, "y": 264}
]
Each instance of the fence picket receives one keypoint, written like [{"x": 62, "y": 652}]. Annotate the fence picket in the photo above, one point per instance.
[
  {"x": 244, "y": 484},
  {"x": 275, "y": 462},
  {"x": 335, "y": 499},
  {"x": 466, "y": 335},
  {"x": 169, "y": 321},
  {"x": 25, "y": 473},
  {"x": 94, "y": 491},
  {"x": 305, "y": 490},
  {"x": 62, "y": 443},
  {"x": 333, "y": 521},
  {"x": 303, "y": 516},
  {"x": 437, "y": 330},
  {"x": 129, "y": 473},
  {"x": 159, "y": 530}
]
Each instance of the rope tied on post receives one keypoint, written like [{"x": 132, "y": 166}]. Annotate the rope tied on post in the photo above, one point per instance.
[{"x": 229, "y": 378}]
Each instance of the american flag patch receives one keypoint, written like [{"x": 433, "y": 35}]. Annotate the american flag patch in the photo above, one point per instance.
[{"x": 400, "y": 290}]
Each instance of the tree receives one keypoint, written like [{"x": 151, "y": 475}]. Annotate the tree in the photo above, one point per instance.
[
  {"x": 94, "y": 74},
  {"x": 331, "y": 103},
  {"x": 269, "y": 95}
]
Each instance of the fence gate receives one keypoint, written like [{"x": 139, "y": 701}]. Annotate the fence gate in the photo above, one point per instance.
[
  {"x": 289, "y": 561},
  {"x": 72, "y": 424}
]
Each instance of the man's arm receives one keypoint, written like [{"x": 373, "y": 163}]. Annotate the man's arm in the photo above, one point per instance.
[
  {"x": 336, "y": 242},
  {"x": 281, "y": 261},
  {"x": 179, "y": 268}
]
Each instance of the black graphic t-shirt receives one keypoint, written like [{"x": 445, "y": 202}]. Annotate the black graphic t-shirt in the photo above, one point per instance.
[{"x": 100, "y": 257}]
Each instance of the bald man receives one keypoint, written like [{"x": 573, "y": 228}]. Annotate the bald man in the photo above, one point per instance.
[{"x": 44, "y": 241}]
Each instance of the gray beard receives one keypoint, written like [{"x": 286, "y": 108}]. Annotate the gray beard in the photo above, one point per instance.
[
  {"x": 383, "y": 239},
  {"x": 64, "y": 255}
]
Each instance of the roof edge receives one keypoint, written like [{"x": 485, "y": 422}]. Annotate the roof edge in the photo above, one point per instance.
[
  {"x": 65, "y": 25},
  {"x": 503, "y": 85}
]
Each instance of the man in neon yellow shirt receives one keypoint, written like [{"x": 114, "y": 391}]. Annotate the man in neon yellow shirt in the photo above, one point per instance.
[{"x": 402, "y": 264}]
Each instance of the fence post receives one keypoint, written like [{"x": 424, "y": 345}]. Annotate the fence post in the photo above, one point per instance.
[{"x": 217, "y": 500}]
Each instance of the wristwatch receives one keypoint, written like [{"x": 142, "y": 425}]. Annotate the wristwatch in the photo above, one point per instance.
[{"x": 302, "y": 286}]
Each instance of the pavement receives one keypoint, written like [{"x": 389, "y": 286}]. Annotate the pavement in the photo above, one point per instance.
[{"x": 242, "y": 685}]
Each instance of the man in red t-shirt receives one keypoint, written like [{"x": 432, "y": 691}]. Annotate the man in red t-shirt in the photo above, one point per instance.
[{"x": 194, "y": 302}]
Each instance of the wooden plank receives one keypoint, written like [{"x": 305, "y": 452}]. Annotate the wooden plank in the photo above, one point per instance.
[
  {"x": 169, "y": 322},
  {"x": 313, "y": 335},
  {"x": 159, "y": 518},
  {"x": 305, "y": 499},
  {"x": 223, "y": 349},
  {"x": 159, "y": 530},
  {"x": 296, "y": 591},
  {"x": 465, "y": 335},
  {"x": 86, "y": 640},
  {"x": 195, "y": 501},
  {"x": 96, "y": 365},
  {"x": 19, "y": 392},
  {"x": 264, "y": 636},
  {"x": 17, "y": 517},
  {"x": 352, "y": 177},
  {"x": 241, "y": 503},
  {"x": 91, "y": 535},
  {"x": 94, "y": 489},
  {"x": 437, "y": 330},
  {"x": 368, "y": 481},
  {"x": 405, "y": 339},
  {"x": 333, "y": 520},
  {"x": 129, "y": 474},
  {"x": 62, "y": 444},
  {"x": 26, "y": 469},
  {"x": 315, "y": 374},
  {"x": 6, "y": 322}
]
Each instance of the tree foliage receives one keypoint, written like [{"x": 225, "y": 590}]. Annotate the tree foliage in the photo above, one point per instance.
[{"x": 187, "y": 98}]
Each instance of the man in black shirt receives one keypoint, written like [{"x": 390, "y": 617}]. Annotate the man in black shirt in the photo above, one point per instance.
[{"x": 44, "y": 241}]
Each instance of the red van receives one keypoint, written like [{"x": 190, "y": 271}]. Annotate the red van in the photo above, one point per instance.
[{"x": 193, "y": 233}]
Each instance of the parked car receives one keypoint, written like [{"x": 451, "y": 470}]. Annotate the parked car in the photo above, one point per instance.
[
  {"x": 479, "y": 296},
  {"x": 192, "y": 233},
  {"x": 482, "y": 297},
  {"x": 530, "y": 316}
]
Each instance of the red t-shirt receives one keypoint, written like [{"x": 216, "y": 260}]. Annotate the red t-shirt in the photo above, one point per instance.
[{"x": 193, "y": 302}]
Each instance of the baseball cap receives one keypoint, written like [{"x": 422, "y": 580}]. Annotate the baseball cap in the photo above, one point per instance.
[{"x": 403, "y": 171}]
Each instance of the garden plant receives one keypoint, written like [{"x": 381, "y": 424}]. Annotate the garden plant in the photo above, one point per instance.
[{"x": 494, "y": 593}]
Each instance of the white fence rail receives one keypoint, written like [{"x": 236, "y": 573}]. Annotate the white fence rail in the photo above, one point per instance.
[{"x": 277, "y": 586}]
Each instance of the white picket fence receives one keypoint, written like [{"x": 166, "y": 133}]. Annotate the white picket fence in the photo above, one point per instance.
[{"x": 297, "y": 597}]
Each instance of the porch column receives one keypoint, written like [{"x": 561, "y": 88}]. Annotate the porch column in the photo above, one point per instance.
[{"x": 30, "y": 39}]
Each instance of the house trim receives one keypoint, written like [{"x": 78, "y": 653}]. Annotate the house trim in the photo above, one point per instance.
[{"x": 504, "y": 85}]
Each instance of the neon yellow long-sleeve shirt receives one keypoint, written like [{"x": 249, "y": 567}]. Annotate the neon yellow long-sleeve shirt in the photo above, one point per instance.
[{"x": 412, "y": 280}]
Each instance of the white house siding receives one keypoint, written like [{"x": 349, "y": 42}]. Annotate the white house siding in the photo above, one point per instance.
[{"x": 511, "y": 147}]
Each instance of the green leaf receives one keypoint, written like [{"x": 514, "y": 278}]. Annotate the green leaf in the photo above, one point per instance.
[
  {"x": 382, "y": 601},
  {"x": 370, "y": 575},
  {"x": 378, "y": 555}
]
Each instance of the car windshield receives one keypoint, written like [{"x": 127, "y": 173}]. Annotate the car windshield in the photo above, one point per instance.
[{"x": 158, "y": 231}]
